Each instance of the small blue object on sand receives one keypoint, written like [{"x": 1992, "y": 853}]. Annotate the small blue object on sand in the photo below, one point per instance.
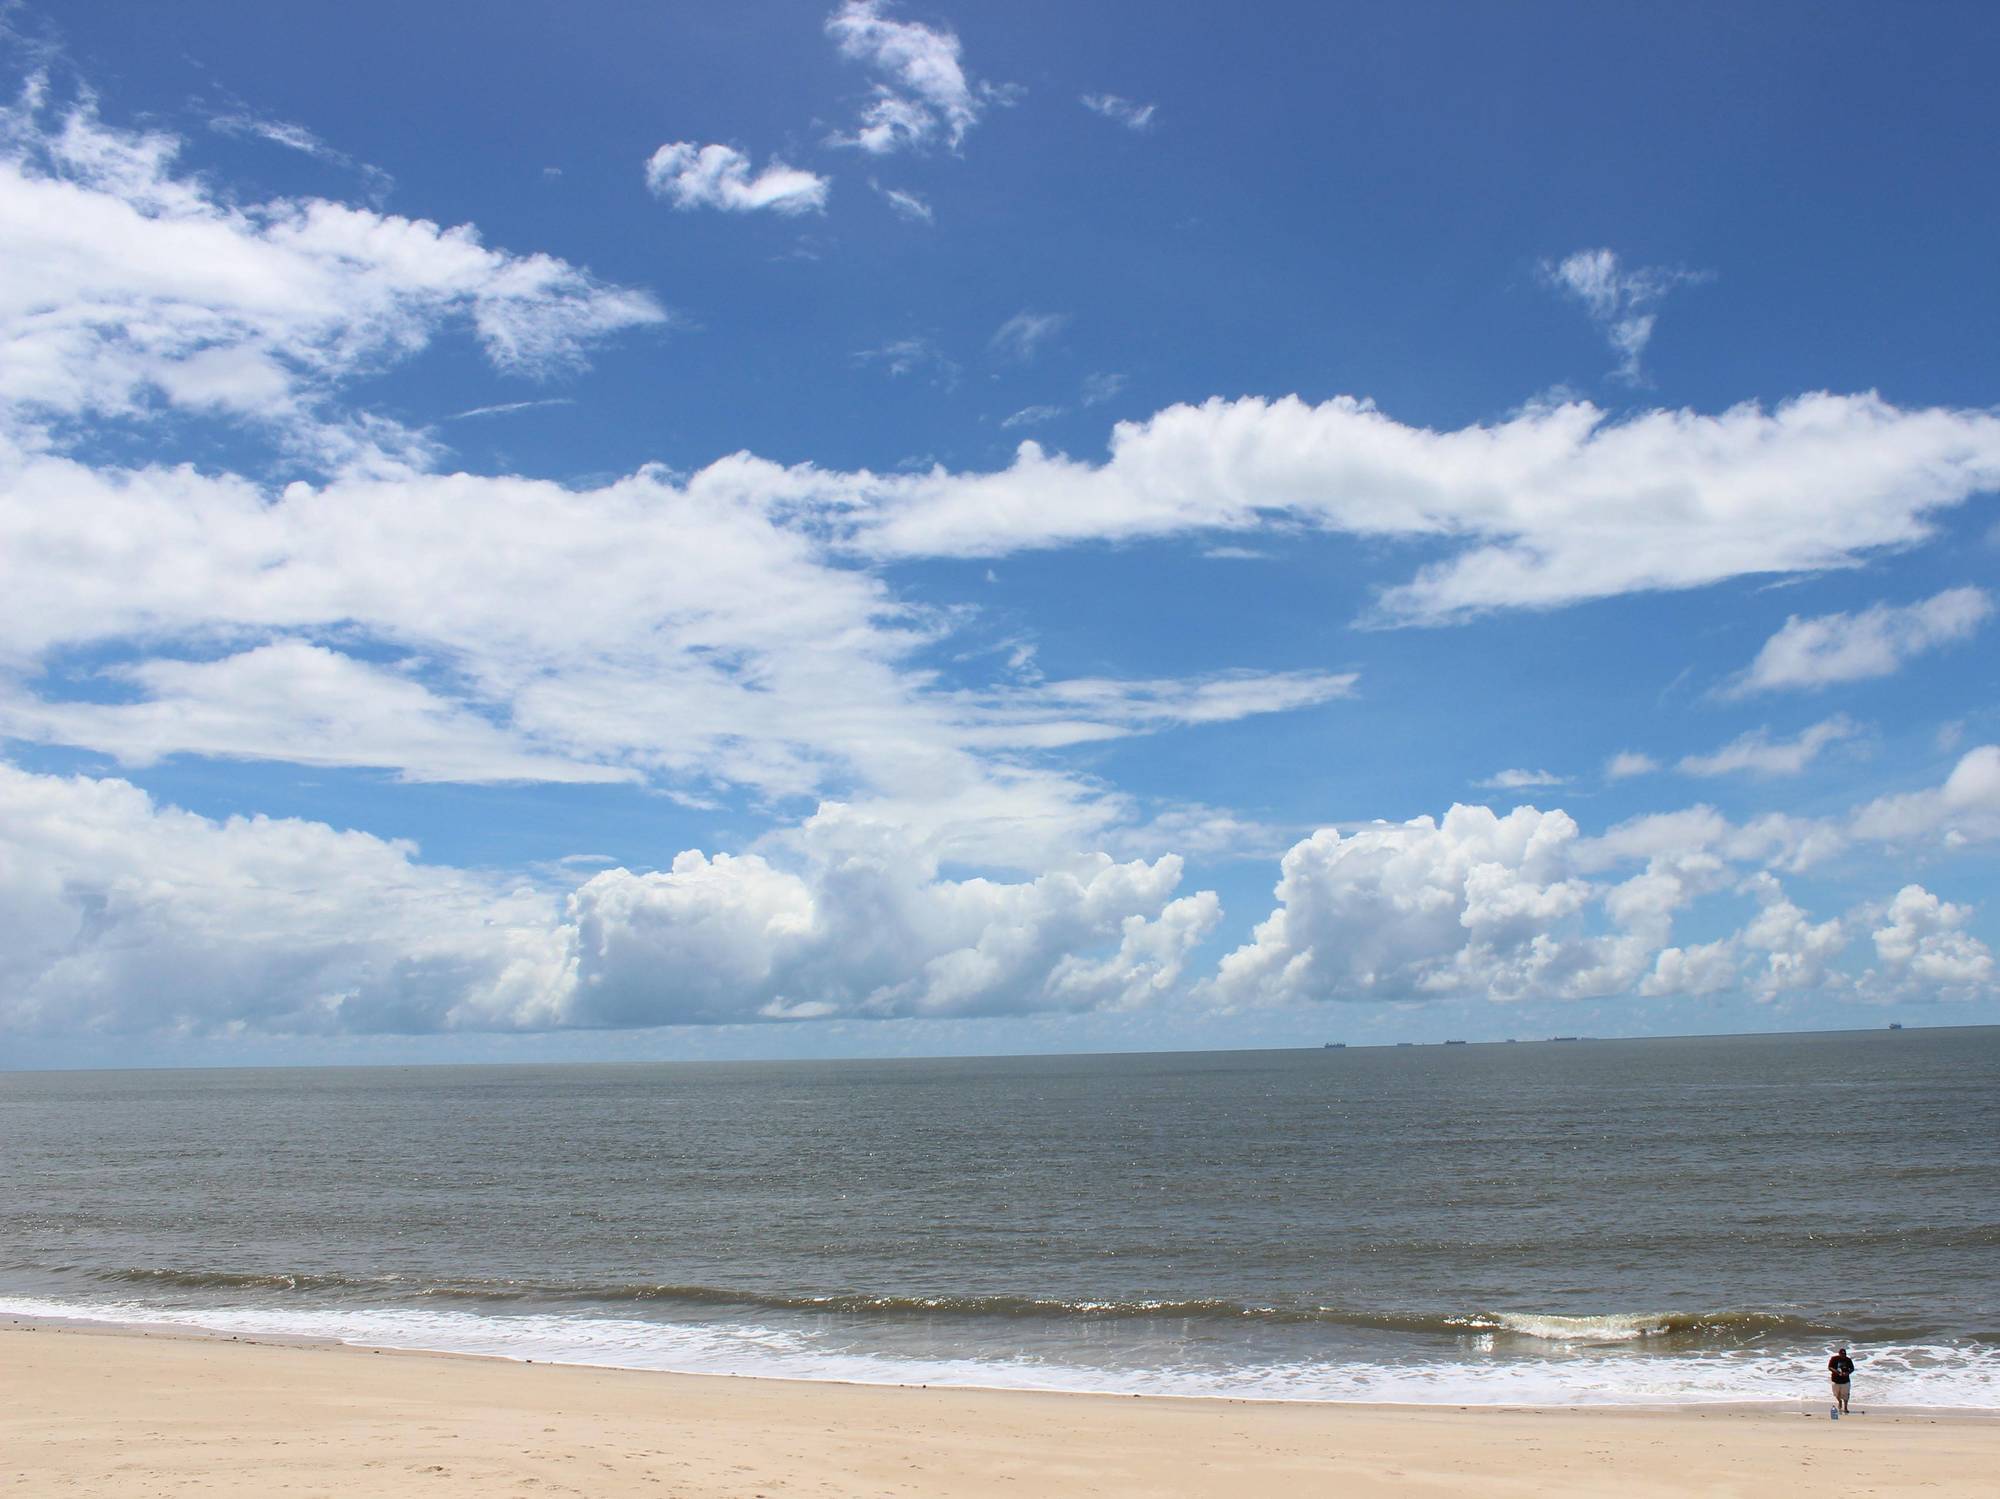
[{"x": 1834, "y": 1413}]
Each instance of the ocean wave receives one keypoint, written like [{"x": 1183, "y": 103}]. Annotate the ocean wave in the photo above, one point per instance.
[
  {"x": 1939, "y": 1376},
  {"x": 1726, "y": 1327},
  {"x": 1632, "y": 1327}
]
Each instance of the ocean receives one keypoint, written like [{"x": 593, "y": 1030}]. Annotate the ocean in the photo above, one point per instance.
[{"x": 1551, "y": 1222}]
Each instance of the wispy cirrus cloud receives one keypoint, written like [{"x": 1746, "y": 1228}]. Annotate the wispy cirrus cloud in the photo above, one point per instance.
[
  {"x": 905, "y": 204},
  {"x": 292, "y": 136},
  {"x": 508, "y": 408},
  {"x": 1127, "y": 112},
  {"x": 1101, "y": 387},
  {"x": 916, "y": 354},
  {"x": 1024, "y": 334},
  {"x": 1622, "y": 301}
]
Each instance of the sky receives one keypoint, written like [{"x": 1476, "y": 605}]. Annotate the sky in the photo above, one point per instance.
[{"x": 862, "y": 528}]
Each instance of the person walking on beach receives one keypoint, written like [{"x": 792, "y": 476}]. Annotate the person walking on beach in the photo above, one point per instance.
[{"x": 1840, "y": 1369}]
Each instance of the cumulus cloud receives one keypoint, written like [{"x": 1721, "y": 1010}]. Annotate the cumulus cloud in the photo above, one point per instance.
[
  {"x": 1477, "y": 905},
  {"x": 119, "y": 915},
  {"x": 1757, "y": 753},
  {"x": 132, "y": 287},
  {"x": 922, "y": 94},
  {"x": 1876, "y": 642},
  {"x": 690, "y": 176},
  {"x": 1925, "y": 953},
  {"x": 1622, "y": 301},
  {"x": 1129, "y": 113},
  {"x": 1523, "y": 907},
  {"x": 1798, "y": 952},
  {"x": 868, "y": 930},
  {"x": 1701, "y": 969}
]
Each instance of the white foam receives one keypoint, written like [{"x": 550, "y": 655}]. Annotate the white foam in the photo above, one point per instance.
[
  {"x": 1608, "y": 1329},
  {"x": 1910, "y": 1376}
]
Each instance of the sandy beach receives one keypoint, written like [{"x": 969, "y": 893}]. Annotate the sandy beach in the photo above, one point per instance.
[{"x": 128, "y": 1413}]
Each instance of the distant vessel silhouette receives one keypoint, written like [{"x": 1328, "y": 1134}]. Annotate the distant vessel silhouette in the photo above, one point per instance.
[{"x": 1336, "y": 1046}]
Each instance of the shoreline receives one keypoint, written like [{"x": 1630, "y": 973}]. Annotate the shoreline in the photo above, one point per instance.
[
  {"x": 124, "y": 1410},
  {"x": 1805, "y": 1402}
]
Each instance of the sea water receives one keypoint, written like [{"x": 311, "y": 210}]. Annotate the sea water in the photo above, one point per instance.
[{"x": 1582, "y": 1222}]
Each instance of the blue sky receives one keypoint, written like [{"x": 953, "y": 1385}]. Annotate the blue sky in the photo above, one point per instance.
[{"x": 823, "y": 529}]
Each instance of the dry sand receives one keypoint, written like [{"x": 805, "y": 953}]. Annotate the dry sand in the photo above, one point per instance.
[{"x": 131, "y": 1413}]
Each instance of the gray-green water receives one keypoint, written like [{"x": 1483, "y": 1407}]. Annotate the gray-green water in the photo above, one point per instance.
[{"x": 1578, "y": 1221}]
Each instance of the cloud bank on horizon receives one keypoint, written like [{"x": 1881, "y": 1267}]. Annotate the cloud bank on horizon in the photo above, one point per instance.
[{"x": 966, "y": 731}]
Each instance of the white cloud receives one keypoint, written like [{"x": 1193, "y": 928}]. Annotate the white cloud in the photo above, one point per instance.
[
  {"x": 1475, "y": 906},
  {"x": 1925, "y": 953},
  {"x": 508, "y": 408},
  {"x": 299, "y": 703},
  {"x": 1549, "y": 507},
  {"x": 119, "y": 915},
  {"x": 1798, "y": 952},
  {"x": 130, "y": 287},
  {"x": 1521, "y": 780},
  {"x": 906, "y": 204},
  {"x": 1084, "y": 710},
  {"x": 925, "y": 96},
  {"x": 1032, "y": 416},
  {"x": 1621, "y": 302},
  {"x": 868, "y": 930},
  {"x": 1757, "y": 753},
  {"x": 1522, "y": 907},
  {"x": 690, "y": 176},
  {"x": 683, "y": 632},
  {"x": 1704, "y": 968},
  {"x": 1831, "y": 648},
  {"x": 1628, "y": 763},
  {"x": 1023, "y": 335},
  {"x": 1126, "y": 112},
  {"x": 1965, "y": 809}
]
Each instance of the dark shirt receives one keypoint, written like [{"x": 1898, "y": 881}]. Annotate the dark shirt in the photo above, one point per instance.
[{"x": 1841, "y": 1367}]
